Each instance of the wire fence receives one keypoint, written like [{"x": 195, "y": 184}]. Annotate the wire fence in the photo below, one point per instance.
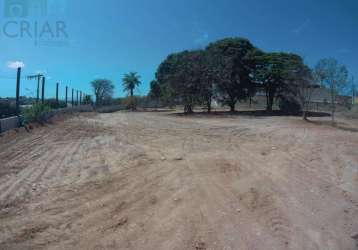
[{"x": 23, "y": 90}]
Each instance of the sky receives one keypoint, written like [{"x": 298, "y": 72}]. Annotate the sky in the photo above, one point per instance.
[{"x": 78, "y": 41}]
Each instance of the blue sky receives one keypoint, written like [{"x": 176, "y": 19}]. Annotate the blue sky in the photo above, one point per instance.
[{"x": 109, "y": 38}]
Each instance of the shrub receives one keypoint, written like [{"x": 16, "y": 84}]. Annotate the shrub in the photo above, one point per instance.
[
  {"x": 289, "y": 105},
  {"x": 37, "y": 113},
  {"x": 53, "y": 104},
  {"x": 87, "y": 100}
]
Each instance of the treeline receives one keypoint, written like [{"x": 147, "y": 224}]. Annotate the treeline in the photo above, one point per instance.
[{"x": 234, "y": 70}]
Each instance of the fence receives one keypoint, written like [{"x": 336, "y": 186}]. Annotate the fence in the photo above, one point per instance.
[
  {"x": 15, "y": 121},
  {"x": 9, "y": 123}
]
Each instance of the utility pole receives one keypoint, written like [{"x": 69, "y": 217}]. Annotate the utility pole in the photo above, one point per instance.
[
  {"x": 18, "y": 91},
  {"x": 80, "y": 98},
  {"x": 38, "y": 77},
  {"x": 76, "y": 97},
  {"x": 43, "y": 90},
  {"x": 57, "y": 85}
]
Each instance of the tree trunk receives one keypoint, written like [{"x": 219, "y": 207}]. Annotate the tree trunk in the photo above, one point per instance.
[
  {"x": 188, "y": 109},
  {"x": 208, "y": 104},
  {"x": 232, "y": 107},
  {"x": 304, "y": 115},
  {"x": 269, "y": 103}
]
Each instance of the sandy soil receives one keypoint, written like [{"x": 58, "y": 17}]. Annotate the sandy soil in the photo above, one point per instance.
[{"x": 159, "y": 181}]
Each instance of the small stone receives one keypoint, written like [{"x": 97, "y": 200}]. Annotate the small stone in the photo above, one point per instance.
[{"x": 163, "y": 158}]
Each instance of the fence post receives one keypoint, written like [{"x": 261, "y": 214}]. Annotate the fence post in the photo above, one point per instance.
[
  {"x": 18, "y": 91},
  {"x": 80, "y": 98},
  {"x": 43, "y": 90},
  {"x": 76, "y": 97},
  {"x": 72, "y": 98},
  {"x": 66, "y": 96},
  {"x": 57, "y": 85},
  {"x": 38, "y": 89}
]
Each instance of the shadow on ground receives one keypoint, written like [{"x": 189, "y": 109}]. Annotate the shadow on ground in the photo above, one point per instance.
[
  {"x": 338, "y": 125},
  {"x": 254, "y": 113}
]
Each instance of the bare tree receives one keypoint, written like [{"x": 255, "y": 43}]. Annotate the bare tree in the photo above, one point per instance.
[
  {"x": 333, "y": 76},
  {"x": 103, "y": 89},
  {"x": 304, "y": 84}
]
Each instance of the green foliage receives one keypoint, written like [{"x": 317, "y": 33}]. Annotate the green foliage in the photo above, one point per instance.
[
  {"x": 130, "y": 82},
  {"x": 36, "y": 113},
  {"x": 182, "y": 78},
  {"x": 53, "y": 104},
  {"x": 87, "y": 100},
  {"x": 7, "y": 110},
  {"x": 155, "y": 90},
  {"x": 230, "y": 63},
  {"x": 274, "y": 73}
]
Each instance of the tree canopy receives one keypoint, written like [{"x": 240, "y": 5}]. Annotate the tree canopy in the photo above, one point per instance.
[
  {"x": 130, "y": 82},
  {"x": 103, "y": 89}
]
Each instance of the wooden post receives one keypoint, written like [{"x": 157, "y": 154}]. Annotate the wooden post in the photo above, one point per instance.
[
  {"x": 43, "y": 90},
  {"x": 76, "y": 97},
  {"x": 18, "y": 91}
]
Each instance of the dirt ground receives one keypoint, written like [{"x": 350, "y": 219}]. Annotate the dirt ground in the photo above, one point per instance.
[{"x": 162, "y": 181}]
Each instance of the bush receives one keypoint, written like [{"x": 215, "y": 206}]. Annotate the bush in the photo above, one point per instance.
[
  {"x": 7, "y": 110},
  {"x": 37, "y": 113},
  {"x": 87, "y": 100},
  {"x": 289, "y": 105},
  {"x": 53, "y": 104}
]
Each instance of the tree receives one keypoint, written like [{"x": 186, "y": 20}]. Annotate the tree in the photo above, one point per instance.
[
  {"x": 333, "y": 76},
  {"x": 87, "y": 99},
  {"x": 103, "y": 90},
  {"x": 130, "y": 82},
  {"x": 180, "y": 78},
  {"x": 230, "y": 63},
  {"x": 274, "y": 72},
  {"x": 304, "y": 84},
  {"x": 155, "y": 91}
]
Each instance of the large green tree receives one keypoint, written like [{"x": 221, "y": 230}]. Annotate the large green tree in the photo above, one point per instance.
[
  {"x": 155, "y": 91},
  {"x": 180, "y": 78},
  {"x": 274, "y": 73},
  {"x": 231, "y": 66}
]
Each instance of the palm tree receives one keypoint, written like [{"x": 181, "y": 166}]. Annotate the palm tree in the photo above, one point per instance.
[{"x": 130, "y": 82}]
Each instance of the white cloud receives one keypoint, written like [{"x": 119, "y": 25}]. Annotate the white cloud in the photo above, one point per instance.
[
  {"x": 15, "y": 65},
  {"x": 303, "y": 26},
  {"x": 42, "y": 72}
]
